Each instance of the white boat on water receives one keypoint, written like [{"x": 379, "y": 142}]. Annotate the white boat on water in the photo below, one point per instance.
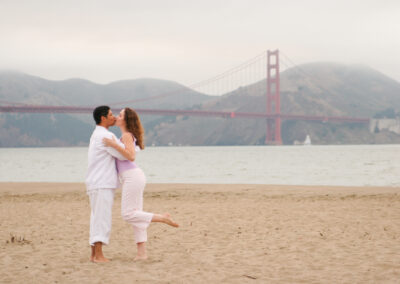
[{"x": 307, "y": 142}]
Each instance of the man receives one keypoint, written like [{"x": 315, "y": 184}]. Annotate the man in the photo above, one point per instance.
[{"x": 101, "y": 182}]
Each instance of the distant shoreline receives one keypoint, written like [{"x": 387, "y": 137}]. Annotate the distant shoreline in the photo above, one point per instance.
[
  {"x": 184, "y": 146},
  {"x": 21, "y": 188}
]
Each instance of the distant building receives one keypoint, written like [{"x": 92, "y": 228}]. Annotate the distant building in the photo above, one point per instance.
[{"x": 390, "y": 124}]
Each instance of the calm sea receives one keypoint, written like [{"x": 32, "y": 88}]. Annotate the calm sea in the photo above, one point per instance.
[{"x": 365, "y": 165}]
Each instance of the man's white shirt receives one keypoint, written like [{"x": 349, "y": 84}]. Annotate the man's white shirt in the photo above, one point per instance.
[{"x": 102, "y": 172}]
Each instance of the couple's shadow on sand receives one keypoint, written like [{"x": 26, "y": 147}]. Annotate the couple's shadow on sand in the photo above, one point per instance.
[{"x": 118, "y": 259}]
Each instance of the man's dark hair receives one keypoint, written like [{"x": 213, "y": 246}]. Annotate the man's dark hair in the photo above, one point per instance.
[{"x": 99, "y": 112}]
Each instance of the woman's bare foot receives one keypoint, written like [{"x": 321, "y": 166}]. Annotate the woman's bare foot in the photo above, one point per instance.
[
  {"x": 140, "y": 257},
  {"x": 166, "y": 218},
  {"x": 141, "y": 251}
]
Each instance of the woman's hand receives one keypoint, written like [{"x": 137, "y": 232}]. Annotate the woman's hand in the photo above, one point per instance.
[{"x": 110, "y": 142}]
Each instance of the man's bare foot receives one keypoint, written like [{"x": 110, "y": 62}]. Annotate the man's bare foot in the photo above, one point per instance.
[
  {"x": 92, "y": 253},
  {"x": 100, "y": 259},
  {"x": 167, "y": 220},
  {"x": 97, "y": 253}
]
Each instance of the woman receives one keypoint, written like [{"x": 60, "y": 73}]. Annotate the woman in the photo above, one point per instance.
[{"x": 134, "y": 180}]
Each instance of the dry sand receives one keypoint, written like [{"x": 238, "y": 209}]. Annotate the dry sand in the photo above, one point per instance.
[{"x": 228, "y": 234}]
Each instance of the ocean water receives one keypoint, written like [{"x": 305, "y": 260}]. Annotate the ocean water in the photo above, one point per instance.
[{"x": 355, "y": 165}]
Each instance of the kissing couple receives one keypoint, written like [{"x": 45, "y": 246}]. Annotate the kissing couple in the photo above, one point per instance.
[{"x": 110, "y": 163}]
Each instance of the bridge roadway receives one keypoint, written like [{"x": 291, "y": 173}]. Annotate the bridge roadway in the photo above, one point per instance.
[{"x": 168, "y": 112}]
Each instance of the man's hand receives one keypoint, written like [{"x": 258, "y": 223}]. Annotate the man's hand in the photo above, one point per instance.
[{"x": 110, "y": 142}]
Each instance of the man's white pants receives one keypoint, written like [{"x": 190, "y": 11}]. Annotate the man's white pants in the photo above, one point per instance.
[{"x": 101, "y": 202}]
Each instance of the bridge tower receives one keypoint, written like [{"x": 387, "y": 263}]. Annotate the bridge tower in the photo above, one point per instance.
[{"x": 273, "y": 99}]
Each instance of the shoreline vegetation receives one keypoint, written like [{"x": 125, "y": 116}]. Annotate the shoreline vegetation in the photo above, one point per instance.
[{"x": 234, "y": 233}]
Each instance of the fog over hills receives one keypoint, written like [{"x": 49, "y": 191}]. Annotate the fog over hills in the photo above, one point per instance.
[
  {"x": 20, "y": 87},
  {"x": 65, "y": 129},
  {"x": 311, "y": 89}
]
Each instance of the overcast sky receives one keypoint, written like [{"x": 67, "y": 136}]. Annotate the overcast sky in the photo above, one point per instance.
[{"x": 188, "y": 41}]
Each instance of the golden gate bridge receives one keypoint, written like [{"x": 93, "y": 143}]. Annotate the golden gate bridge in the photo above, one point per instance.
[{"x": 264, "y": 66}]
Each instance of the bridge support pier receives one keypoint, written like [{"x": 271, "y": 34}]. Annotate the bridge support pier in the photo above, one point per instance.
[{"x": 273, "y": 135}]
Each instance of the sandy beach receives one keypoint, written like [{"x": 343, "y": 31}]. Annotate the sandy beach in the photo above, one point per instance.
[{"x": 228, "y": 234}]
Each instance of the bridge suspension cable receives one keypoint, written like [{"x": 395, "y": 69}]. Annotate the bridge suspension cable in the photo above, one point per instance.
[
  {"x": 311, "y": 78},
  {"x": 242, "y": 75}
]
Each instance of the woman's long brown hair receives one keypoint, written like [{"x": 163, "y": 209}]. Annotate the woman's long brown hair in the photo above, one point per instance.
[{"x": 134, "y": 126}]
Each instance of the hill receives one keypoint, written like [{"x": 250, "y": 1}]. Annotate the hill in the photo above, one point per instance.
[
  {"x": 311, "y": 89},
  {"x": 68, "y": 130}
]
